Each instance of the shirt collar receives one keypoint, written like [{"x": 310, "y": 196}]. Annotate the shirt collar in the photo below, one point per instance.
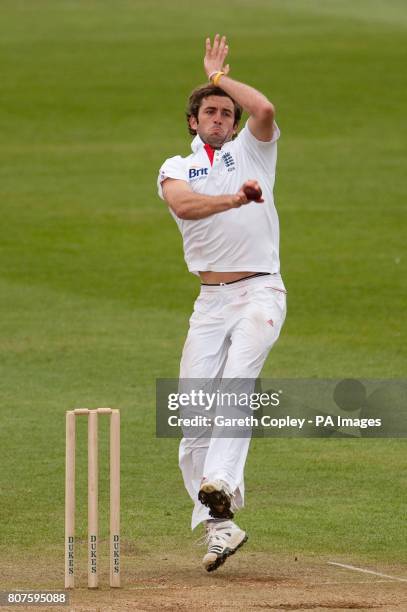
[{"x": 197, "y": 144}]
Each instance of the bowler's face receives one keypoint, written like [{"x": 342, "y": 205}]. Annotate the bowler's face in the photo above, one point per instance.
[{"x": 216, "y": 121}]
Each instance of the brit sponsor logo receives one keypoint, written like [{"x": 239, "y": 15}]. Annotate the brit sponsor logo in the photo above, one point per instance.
[
  {"x": 197, "y": 173},
  {"x": 229, "y": 162}
]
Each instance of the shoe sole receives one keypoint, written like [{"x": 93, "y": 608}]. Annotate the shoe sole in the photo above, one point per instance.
[
  {"x": 217, "y": 501},
  {"x": 228, "y": 552}
]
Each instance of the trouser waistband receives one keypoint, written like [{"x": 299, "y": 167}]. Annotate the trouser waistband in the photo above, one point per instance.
[{"x": 236, "y": 281}]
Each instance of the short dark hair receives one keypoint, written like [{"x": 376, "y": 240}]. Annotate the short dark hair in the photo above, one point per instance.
[{"x": 203, "y": 91}]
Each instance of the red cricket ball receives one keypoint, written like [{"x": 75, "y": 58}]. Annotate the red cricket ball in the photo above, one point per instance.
[{"x": 252, "y": 194}]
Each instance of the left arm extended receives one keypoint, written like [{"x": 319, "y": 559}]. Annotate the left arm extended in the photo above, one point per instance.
[{"x": 260, "y": 109}]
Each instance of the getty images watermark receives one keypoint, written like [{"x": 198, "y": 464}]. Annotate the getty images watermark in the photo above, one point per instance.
[
  {"x": 207, "y": 401},
  {"x": 338, "y": 408}
]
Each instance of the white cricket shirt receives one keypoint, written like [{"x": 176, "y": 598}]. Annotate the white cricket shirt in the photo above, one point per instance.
[{"x": 239, "y": 239}]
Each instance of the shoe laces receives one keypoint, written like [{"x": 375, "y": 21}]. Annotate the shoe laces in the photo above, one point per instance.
[{"x": 213, "y": 532}]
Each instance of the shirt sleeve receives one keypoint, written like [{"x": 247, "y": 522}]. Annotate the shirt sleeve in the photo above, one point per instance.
[
  {"x": 263, "y": 152},
  {"x": 174, "y": 168}
]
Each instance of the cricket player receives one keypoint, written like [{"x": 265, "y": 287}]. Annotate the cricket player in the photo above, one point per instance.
[{"x": 230, "y": 234}]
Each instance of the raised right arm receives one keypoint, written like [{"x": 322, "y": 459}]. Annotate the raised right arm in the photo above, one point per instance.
[{"x": 187, "y": 204}]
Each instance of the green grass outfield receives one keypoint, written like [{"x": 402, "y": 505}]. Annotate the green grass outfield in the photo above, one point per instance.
[{"x": 95, "y": 296}]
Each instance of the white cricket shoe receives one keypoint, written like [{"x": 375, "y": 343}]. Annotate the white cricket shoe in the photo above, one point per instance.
[
  {"x": 216, "y": 495},
  {"x": 223, "y": 539}
]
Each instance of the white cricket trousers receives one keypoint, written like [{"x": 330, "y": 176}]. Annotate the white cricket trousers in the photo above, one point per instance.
[{"x": 232, "y": 329}]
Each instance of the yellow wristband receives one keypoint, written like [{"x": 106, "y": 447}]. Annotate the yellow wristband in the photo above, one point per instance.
[{"x": 215, "y": 79}]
